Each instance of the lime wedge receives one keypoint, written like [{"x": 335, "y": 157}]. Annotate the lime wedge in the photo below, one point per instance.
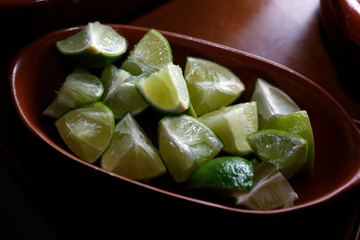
[
  {"x": 185, "y": 144},
  {"x": 272, "y": 102},
  {"x": 286, "y": 151},
  {"x": 87, "y": 130},
  {"x": 151, "y": 53},
  {"x": 270, "y": 190},
  {"x": 211, "y": 85},
  {"x": 224, "y": 173},
  {"x": 232, "y": 124},
  {"x": 120, "y": 93},
  {"x": 79, "y": 87},
  {"x": 131, "y": 154},
  {"x": 165, "y": 90},
  {"x": 298, "y": 123},
  {"x": 94, "y": 46}
]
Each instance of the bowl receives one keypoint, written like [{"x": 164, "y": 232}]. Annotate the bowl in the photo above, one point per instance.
[
  {"x": 37, "y": 72},
  {"x": 341, "y": 22}
]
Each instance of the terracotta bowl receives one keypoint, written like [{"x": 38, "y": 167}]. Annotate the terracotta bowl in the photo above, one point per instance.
[
  {"x": 37, "y": 72},
  {"x": 341, "y": 22}
]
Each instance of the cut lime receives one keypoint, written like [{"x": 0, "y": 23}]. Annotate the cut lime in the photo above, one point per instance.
[
  {"x": 131, "y": 154},
  {"x": 232, "y": 124},
  {"x": 94, "y": 46},
  {"x": 224, "y": 173},
  {"x": 79, "y": 87},
  {"x": 165, "y": 90},
  {"x": 211, "y": 85},
  {"x": 87, "y": 130},
  {"x": 272, "y": 102},
  {"x": 286, "y": 151},
  {"x": 298, "y": 123},
  {"x": 151, "y": 53},
  {"x": 270, "y": 190},
  {"x": 185, "y": 144},
  {"x": 120, "y": 93}
]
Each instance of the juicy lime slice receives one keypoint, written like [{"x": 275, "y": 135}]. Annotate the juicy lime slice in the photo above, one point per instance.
[
  {"x": 286, "y": 151},
  {"x": 272, "y": 102},
  {"x": 270, "y": 190},
  {"x": 87, "y": 130},
  {"x": 131, "y": 154},
  {"x": 211, "y": 85},
  {"x": 94, "y": 46},
  {"x": 232, "y": 124},
  {"x": 79, "y": 87},
  {"x": 151, "y": 53},
  {"x": 120, "y": 93},
  {"x": 298, "y": 123},
  {"x": 224, "y": 173},
  {"x": 185, "y": 144},
  {"x": 165, "y": 90}
]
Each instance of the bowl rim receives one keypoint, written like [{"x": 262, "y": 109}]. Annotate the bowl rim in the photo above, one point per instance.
[{"x": 349, "y": 185}]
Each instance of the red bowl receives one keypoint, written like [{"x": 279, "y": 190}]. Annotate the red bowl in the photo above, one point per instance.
[{"x": 36, "y": 73}]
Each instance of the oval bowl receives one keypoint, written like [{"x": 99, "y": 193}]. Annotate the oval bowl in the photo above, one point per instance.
[{"x": 36, "y": 73}]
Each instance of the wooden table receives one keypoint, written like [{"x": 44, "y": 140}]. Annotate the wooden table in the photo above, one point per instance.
[{"x": 288, "y": 32}]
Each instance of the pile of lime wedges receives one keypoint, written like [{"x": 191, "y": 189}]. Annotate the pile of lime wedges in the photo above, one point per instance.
[{"x": 205, "y": 136}]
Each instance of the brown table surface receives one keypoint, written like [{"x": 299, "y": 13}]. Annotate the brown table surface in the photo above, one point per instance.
[{"x": 51, "y": 201}]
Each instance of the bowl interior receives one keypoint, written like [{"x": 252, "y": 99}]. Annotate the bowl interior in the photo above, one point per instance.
[{"x": 37, "y": 72}]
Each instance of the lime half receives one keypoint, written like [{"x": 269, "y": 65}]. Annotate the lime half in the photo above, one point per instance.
[
  {"x": 224, "y": 173},
  {"x": 79, "y": 87},
  {"x": 165, "y": 90},
  {"x": 286, "y": 151},
  {"x": 272, "y": 102},
  {"x": 151, "y": 53},
  {"x": 270, "y": 190},
  {"x": 120, "y": 93},
  {"x": 87, "y": 130},
  {"x": 131, "y": 154},
  {"x": 94, "y": 46},
  {"x": 232, "y": 124},
  {"x": 185, "y": 144},
  {"x": 210, "y": 85}
]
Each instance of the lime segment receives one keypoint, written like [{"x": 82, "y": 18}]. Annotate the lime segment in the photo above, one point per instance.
[
  {"x": 272, "y": 102},
  {"x": 232, "y": 124},
  {"x": 286, "y": 151},
  {"x": 270, "y": 190},
  {"x": 211, "y": 85},
  {"x": 151, "y": 53},
  {"x": 131, "y": 154},
  {"x": 87, "y": 130},
  {"x": 298, "y": 123},
  {"x": 79, "y": 87},
  {"x": 224, "y": 173},
  {"x": 120, "y": 93},
  {"x": 165, "y": 90},
  {"x": 94, "y": 46},
  {"x": 185, "y": 144}
]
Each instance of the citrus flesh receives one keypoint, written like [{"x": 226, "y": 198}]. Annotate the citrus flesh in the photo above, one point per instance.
[
  {"x": 232, "y": 124},
  {"x": 223, "y": 173},
  {"x": 270, "y": 190},
  {"x": 185, "y": 144},
  {"x": 286, "y": 151},
  {"x": 87, "y": 130},
  {"x": 211, "y": 85},
  {"x": 165, "y": 90},
  {"x": 298, "y": 123},
  {"x": 120, "y": 93},
  {"x": 95, "y": 46},
  {"x": 79, "y": 87},
  {"x": 131, "y": 154},
  {"x": 149, "y": 55},
  {"x": 272, "y": 102}
]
